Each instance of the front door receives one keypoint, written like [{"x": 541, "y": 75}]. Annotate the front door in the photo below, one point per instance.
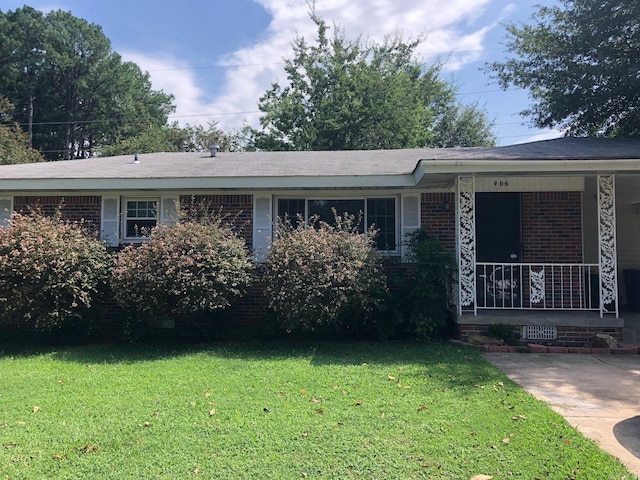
[{"x": 498, "y": 243}]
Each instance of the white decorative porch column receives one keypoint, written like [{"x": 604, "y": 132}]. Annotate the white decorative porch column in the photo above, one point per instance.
[
  {"x": 466, "y": 245},
  {"x": 607, "y": 244}
]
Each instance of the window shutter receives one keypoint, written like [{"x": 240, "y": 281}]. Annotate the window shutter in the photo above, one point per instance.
[
  {"x": 6, "y": 210},
  {"x": 110, "y": 226},
  {"x": 410, "y": 217},
  {"x": 262, "y": 226},
  {"x": 169, "y": 213}
]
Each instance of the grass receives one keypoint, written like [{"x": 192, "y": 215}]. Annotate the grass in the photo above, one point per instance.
[{"x": 375, "y": 411}]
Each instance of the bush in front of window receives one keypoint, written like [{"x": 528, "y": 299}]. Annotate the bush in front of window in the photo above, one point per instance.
[
  {"x": 51, "y": 274},
  {"x": 324, "y": 276},
  {"x": 196, "y": 265},
  {"x": 421, "y": 295}
]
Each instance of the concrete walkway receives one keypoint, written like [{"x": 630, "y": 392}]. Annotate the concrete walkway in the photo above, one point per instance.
[{"x": 597, "y": 394}]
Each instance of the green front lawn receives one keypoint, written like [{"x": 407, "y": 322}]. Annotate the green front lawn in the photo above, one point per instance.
[{"x": 374, "y": 411}]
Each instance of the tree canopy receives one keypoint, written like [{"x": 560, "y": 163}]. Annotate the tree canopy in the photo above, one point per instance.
[
  {"x": 581, "y": 64},
  {"x": 174, "y": 138},
  {"x": 345, "y": 95},
  {"x": 14, "y": 144},
  {"x": 72, "y": 94}
]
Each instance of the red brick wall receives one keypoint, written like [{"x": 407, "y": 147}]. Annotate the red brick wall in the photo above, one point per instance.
[
  {"x": 552, "y": 227},
  {"x": 440, "y": 221},
  {"x": 570, "y": 336},
  {"x": 73, "y": 208},
  {"x": 239, "y": 209}
]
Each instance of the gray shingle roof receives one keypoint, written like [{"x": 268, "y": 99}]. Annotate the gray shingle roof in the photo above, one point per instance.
[{"x": 359, "y": 168}]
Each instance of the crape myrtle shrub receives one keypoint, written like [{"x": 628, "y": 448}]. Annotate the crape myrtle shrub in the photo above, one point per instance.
[
  {"x": 419, "y": 301},
  {"x": 323, "y": 277},
  {"x": 52, "y": 273},
  {"x": 186, "y": 271}
]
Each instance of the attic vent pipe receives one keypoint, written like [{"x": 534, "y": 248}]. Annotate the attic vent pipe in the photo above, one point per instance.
[
  {"x": 214, "y": 149},
  {"x": 136, "y": 160}
]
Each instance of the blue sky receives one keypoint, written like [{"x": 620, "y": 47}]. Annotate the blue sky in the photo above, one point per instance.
[{"x": 217, "y": 57}]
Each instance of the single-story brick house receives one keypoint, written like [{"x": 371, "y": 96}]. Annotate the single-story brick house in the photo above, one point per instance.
[{"x": 542, "y": 231}]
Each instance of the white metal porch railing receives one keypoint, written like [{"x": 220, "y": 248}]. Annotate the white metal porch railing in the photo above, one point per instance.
[{"x": 539, "y": 286}]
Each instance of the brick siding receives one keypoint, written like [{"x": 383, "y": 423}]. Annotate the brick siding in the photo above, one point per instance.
[
  {"x": 552, "y": 227},
  {"x": 238, "y": 208},
  {"x": 567, "y": 336},
  {"x": 72, "y": 208},
  {"x": 438, "y": 215}
]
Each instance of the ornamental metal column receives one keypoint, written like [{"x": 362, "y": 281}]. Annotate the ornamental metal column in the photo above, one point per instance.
[
  {"x": 607, "y": 244},
  {"x": 466, "y": 245}
]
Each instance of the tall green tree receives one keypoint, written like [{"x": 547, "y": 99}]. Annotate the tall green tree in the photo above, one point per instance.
[
  {"x": 72, "y": 93},
  {"x": 14, "y": 143},
  {"x": 174, "y": 138},
  {"x": 345, "y": 95},
  {"x": 580, "y": 62}
]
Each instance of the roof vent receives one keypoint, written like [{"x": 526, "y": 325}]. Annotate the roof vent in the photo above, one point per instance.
[
  {"x": 214, "y": 149},
  {"x": 136, "y": 160}
]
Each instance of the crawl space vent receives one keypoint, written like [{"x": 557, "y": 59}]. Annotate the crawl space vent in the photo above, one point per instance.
[{"x": 539, "y": 332}]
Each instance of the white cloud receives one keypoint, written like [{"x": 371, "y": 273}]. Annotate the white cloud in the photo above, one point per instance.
[{"x": 450, "y": 25}]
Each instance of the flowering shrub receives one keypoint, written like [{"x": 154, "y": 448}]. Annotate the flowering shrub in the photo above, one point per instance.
[
  {"x": 51, "y": 271},
  {"x": 192, "y": 266},
  {"x": 328, "y": 275}
]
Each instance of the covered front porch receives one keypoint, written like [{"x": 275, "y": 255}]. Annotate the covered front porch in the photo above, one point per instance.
[{"x": 530, "y": 256}]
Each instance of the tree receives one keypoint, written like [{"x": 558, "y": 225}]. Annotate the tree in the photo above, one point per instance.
[
  {"x": 72, "y": 93},
  {"x": 14, "y": 143},
  {"x": 343, "y": 95},
  {"x": 174, "y": 138},
  {"x": 581, "y": 65}
]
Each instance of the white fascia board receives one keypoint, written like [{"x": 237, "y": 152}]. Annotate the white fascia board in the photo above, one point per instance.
[
  {"x": 534, "y": 167},
  {"x": 222, "y": 183}
]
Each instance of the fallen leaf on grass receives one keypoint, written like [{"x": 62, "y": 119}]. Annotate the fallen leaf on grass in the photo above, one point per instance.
[
  {"x": 314, "y": 400},
  {"x": 61, "y": 382},
  {"x": 519, "y": 417},
  {"x": 212, "y": 412},
  {"x": 423, "y": 408},
  {"x": 59, "y": 456},
  {"x": 305, "y": 434},
  {"x": 358, "y": 403},
  {"x": 391, "y": 378},
  {"x": 196, "y": 471},
  {"x": 506, "y": 441},
  {"x": 320, "y": 411},
  {"x": 89, "y": 448},
  {"x": 381, "y": 414},
  {"x": 482, "y": 477},
  {"x": 36, "y": 408}
]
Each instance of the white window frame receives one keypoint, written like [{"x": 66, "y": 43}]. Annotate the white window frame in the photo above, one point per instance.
[
  {"x": 125, "y": 218},
  {"x": 364, "y": 198}
]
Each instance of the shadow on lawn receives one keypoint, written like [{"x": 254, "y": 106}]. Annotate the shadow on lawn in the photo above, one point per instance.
[{"x": 458, "y": 365}]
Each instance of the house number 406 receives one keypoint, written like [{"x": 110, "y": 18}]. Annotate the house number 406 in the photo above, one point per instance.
[{"x": 501, "y": 183}]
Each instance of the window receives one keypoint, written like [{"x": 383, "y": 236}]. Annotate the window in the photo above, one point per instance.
[
  {"x": 379, "y": 212},
  {"x": 141, "y": 215}
]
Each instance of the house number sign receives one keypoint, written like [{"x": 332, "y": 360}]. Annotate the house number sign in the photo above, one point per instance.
[{"x": 528, "y": 184}]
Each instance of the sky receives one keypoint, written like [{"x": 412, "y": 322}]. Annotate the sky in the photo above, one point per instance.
[{"x": 217, "y": 57}]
